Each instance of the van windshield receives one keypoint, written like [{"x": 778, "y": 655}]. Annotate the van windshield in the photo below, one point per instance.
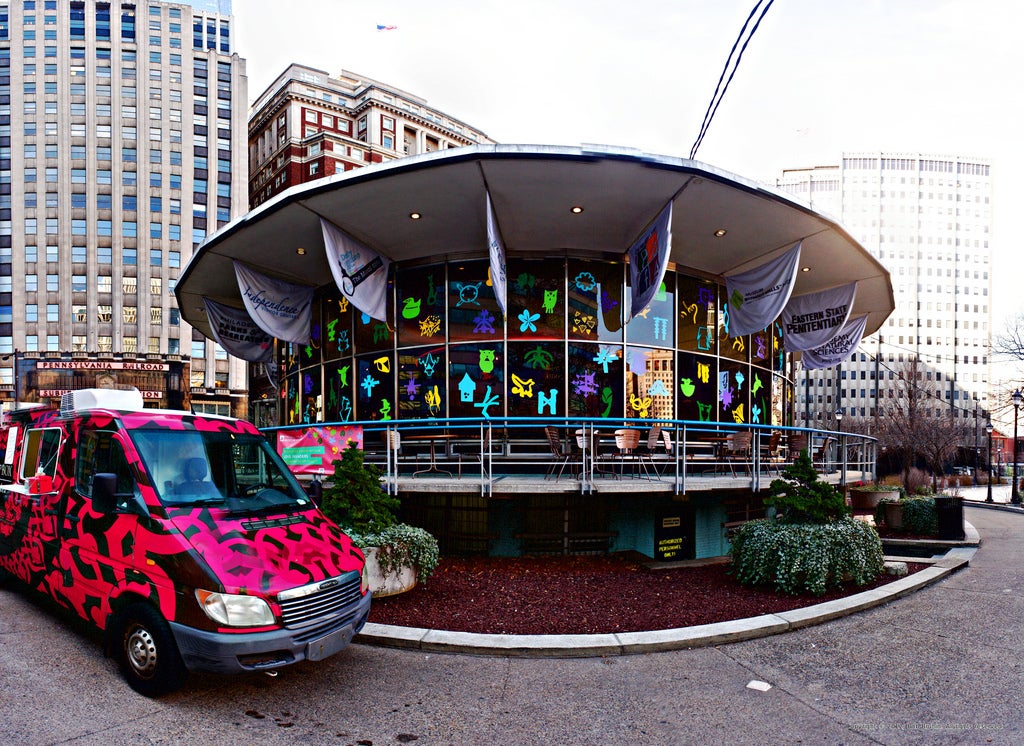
[{"x": 238, "y": 472}]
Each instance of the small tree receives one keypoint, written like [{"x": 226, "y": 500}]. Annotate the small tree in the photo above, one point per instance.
[
  {"x": 355, "y": 498},
  {"x": 800, "y": 497}
]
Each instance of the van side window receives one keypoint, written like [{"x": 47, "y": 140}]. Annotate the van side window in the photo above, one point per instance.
[
  {"x": 99, "y": 452},
  {"x": 42, "y": 447}
]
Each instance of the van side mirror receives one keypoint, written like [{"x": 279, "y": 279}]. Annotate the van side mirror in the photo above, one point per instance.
[{"x": 104, "y": 493}]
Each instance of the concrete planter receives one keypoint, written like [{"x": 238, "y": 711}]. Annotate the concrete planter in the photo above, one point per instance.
[
  {"x": 892, "y": 514},
  {"x": 865, "y": 499},
  {"x": 381, "y": 585}
]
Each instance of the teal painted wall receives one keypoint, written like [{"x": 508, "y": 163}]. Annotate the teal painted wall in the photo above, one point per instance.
[{"x": 504, "y": 521}]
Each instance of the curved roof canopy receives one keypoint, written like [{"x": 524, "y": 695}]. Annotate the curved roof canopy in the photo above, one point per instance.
[{"x": 533, "y": 190}]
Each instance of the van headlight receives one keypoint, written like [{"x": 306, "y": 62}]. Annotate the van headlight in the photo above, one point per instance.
[
  {"x": 364, "y": 580},
  {"x": 235, "y": 611}
]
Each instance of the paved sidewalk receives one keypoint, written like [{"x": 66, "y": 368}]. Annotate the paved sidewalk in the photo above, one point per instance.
[{"x": 942, "y": 665}]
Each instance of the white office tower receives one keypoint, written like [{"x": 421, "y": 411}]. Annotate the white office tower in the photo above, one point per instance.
[{"x": 928, "y": 219}]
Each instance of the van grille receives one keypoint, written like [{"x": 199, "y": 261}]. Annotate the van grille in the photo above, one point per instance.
[{"x": 314, "y": 603}]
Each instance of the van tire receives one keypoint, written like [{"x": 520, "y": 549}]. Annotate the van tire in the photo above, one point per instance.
[{"x": 146, "y": 652}]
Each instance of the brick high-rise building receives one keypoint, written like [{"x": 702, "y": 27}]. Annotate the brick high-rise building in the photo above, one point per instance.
[{"x": 309, "y": 124}]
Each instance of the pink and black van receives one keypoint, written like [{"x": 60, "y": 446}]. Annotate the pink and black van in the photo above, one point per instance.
[{"x": 184, "y": 537}]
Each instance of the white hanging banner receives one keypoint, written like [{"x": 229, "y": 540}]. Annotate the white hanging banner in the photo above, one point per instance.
[
  {"x": 282, "y": 309},
  {"x": 235, "y": 331},
  {"x": 839, "y": 348},
  {"x": 359, "y": 272},
  {"x": 497, "y": 251},
  {"x": 756, "y": 297},
  {"x": 811, "y": 320},
  {"x": 648, "y": 260}
]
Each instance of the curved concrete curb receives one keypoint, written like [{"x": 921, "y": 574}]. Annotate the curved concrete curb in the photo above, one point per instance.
[{"x": 627, "y": 643}]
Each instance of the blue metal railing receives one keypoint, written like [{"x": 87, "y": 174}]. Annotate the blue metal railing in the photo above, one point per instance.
[{"x": 509, "y": 447}]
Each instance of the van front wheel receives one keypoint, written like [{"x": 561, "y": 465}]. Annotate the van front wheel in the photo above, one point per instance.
[{"x": 146, "y": 652}]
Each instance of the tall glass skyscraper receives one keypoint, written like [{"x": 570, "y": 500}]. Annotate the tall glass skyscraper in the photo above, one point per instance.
[
  {"x": 928, "y": 219},
  {"x": 122, "y": 145}
]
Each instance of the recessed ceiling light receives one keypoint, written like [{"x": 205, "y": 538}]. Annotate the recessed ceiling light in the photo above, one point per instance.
[
  {"x": 415, "y": 215},
  {"x": 300, "y": 251},
  {"x": 576, "y": 209},
  {"x": 805, "y": 269},
  {"x": 720, "y": 232}
]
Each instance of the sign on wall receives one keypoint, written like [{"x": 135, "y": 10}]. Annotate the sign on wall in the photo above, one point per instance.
[{"x": 313, "y": 450}]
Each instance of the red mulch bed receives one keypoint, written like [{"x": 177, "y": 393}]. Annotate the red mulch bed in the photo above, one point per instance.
[{"x": 583, "y": 595}]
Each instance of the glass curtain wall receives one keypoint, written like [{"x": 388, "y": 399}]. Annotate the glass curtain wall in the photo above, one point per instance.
[{"x": 562, "y": 350}]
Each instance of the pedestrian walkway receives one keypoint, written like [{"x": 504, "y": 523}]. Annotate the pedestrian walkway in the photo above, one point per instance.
[{"x": 1001, "y": 494}]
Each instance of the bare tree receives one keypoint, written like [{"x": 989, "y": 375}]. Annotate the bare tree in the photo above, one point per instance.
[
  {"x": 1010, "y": 342},
  {"x": 912, "y": 429}
]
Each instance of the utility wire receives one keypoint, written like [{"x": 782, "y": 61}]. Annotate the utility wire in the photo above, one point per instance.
[{"x": 719, "y": 94}]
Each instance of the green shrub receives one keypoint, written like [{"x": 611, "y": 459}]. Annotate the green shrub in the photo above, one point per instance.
[
  {"x": 800, "y": 497},
  {"x": 357, "y": 502},
  {"x": 798, "y": 558},
  {"x": 920, "y": 516},
  {"x": 355, "y": 499}
]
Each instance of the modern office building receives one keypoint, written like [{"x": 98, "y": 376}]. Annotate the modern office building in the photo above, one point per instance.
[
  {"x": 309, "y": 124},
  {"x": 120, "y": 147},
  {"x": 928, "y": 218}
]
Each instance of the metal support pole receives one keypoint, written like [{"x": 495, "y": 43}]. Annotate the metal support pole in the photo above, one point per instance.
[
  {"x": 988, "y": 429},
  {"x": 1018, "y": 397}
]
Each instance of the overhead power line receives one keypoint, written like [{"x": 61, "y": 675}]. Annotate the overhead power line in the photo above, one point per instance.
[{"x": 720, "y": 89}]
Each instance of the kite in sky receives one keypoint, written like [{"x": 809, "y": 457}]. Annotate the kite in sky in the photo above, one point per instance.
[{"x": 382, "y": 27}]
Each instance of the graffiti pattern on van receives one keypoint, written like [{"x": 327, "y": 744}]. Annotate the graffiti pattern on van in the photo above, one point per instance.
[{"x": 86, "y": 560}]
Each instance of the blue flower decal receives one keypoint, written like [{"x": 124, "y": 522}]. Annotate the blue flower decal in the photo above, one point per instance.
[{"x": 528, "y": 321}]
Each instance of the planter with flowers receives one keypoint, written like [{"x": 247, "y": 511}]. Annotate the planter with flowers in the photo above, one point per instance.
[{"x": 867, "y": 497}]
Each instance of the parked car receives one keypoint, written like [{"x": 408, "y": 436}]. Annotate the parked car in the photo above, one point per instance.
[{"x": 184, "y": 537}]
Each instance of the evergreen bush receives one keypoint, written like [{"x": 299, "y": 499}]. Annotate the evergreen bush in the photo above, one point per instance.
[
  {"x": 357, "y": 502},
  {"x": 920, "y": 516},
  {"x": 800, "y": 497},
  {"x": 355, "y": 498}
]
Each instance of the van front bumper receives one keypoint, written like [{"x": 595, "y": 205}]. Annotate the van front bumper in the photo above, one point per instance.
[{"x": 222, "y": 652}]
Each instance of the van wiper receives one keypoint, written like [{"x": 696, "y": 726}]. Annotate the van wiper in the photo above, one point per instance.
[{"x": 202, "y": 502}]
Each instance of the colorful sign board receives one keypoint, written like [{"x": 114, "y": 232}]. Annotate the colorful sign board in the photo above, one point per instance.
[{"x": 313, "y": 450}]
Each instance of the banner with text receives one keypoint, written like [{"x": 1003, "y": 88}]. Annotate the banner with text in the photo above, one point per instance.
[
  {"x": 282, "y": 309},
  {"x": 497, "y": 251},
  {"x": 314, "y": 449},
  {"x": 756, "y": 297},
  {"x": 810, "y": 321},
  {"x": 839, "y": 348},
  {"x": 359, "y": 272},
  {"x": 238, "y": 334},
  {"x": 648, "y": 260}
]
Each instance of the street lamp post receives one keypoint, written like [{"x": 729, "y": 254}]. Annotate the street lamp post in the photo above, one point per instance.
[
  {"x": 1018, "y": 399},
  {"x": 989, "y": 429},
  {"x": 842, "y": 447}
]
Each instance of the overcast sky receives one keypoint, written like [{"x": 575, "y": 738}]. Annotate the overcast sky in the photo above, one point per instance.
[{"x": 819, "y": 77}]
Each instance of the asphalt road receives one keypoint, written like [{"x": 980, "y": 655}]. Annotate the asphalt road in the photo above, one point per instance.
[{"x": 941, "y": 666}]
